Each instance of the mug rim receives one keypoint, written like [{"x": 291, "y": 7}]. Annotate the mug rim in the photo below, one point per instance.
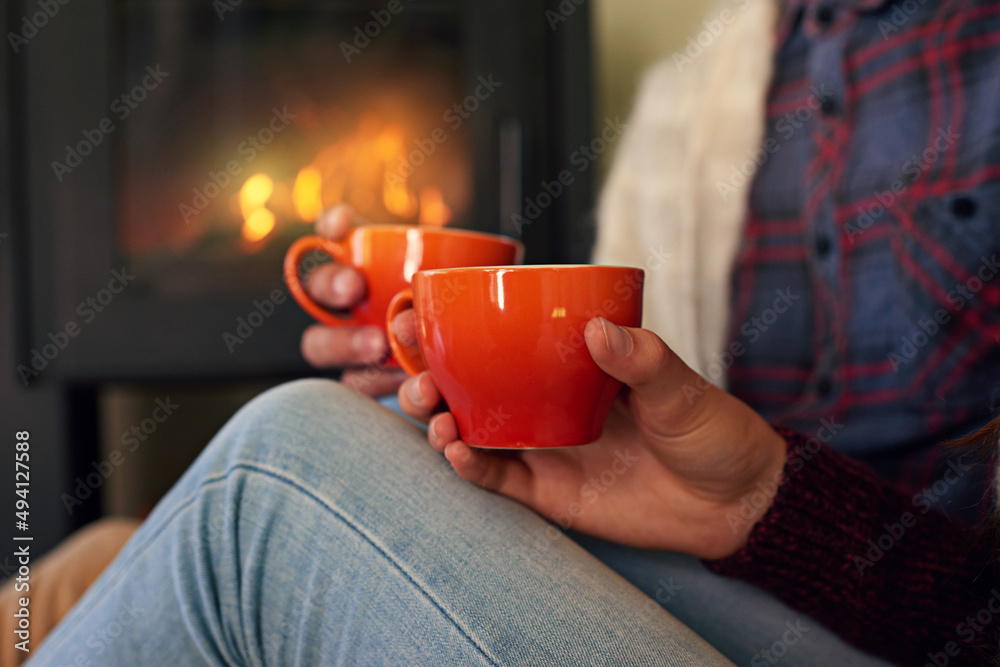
[
  {"x": 527, "y": 268},
  {"x": 457, "y": 231}
]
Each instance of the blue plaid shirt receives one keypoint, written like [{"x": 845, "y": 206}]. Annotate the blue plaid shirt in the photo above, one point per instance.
[{"x": 867, "y": 289}]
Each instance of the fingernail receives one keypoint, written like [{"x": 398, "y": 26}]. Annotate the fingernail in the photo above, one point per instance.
[
  {"x": 413, "y": 391},
  {"x": 341, "y": 284},
  {"x": 618, "y": 340},
  {"x": 368, "y": 342}
]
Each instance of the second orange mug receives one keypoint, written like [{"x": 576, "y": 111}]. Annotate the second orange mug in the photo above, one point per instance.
[
  {"x": 505, "y": 347},
  {"x": 388, "y": 256}
]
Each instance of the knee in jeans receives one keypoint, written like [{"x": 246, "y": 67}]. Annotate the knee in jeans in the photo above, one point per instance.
[
  {"x": 311, "y": 396},
  {"x": 324, "y": 429},
  {"x": 302, "y": 391},
  {"x": 310, "y": 406}
]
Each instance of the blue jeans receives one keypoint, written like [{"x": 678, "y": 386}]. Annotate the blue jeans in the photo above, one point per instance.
[{"x": 320, "y": 528}]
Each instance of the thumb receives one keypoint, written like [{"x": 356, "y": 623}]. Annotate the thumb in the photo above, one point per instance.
[{"x": 642, "y": 361}]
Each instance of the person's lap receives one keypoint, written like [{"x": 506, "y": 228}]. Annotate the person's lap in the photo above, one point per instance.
[{"x": 320, "y": 528}]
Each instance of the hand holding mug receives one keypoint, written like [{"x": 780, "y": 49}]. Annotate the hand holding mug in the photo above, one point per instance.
[
  {"x": 372, "y": 263},
  {"x": 505, "y": 346},
  {"x": 668, "y": 473},
  {"x": 341, "y": 287}
]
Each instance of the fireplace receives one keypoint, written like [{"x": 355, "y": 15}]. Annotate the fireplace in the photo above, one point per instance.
[
  {"x": 238, "y": 136},
  {"x": 163, "y": 155}
]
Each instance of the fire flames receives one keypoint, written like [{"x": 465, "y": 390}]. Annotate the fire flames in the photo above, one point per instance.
[{"x": 368, "y": 168}]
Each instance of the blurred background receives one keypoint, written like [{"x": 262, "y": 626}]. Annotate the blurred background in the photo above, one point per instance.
[{"x": 159, "y": 156}]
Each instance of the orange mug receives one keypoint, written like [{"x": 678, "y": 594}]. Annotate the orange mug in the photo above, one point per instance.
[
  {"x": 505, "y": 347},
  {"x": 388, "y": 256}
]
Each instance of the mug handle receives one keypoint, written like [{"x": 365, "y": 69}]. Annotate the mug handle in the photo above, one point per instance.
[
  {"x": 293, "y": 258},
  {"x": 408, "y": 356}
]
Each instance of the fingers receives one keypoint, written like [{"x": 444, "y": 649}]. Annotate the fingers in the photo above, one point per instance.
[
  {"x": 332, "y": 285},
  {"x": 508, "y": 476},
  {"x": 336, "y": 286},
  {"x": 334, "y": 222},
  {"x": 373, "y": 381},
  {"x": 505, "y": 475},
  {"x": 419, "y": 397},
  {"x": 329, "y": 347},
  {"x": 442, "y": 430},
  {"x": 404, "y": 326}
]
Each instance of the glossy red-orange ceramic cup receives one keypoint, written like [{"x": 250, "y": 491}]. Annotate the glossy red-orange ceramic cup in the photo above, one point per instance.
[
  {"x": 505, "y": 347},
  {"x": 388, "y": 256}
]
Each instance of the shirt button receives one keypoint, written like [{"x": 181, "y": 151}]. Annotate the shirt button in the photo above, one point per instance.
[
  {"x": 825, "y": 16},
  {"x": 828, "y": 105},
  {"x": 963, "y": 207},
  {"x": 824, "y": 387},
  {"x": 822, "y": 245}
]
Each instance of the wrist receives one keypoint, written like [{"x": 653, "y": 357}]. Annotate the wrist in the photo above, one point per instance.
[{"x": 752, "y": 502}]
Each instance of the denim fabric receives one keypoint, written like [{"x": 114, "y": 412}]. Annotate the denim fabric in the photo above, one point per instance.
[{"x": 319, "y": 528}]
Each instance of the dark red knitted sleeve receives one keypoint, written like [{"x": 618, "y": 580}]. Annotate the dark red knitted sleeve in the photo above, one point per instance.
[{"x": 884, "y": 571}]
